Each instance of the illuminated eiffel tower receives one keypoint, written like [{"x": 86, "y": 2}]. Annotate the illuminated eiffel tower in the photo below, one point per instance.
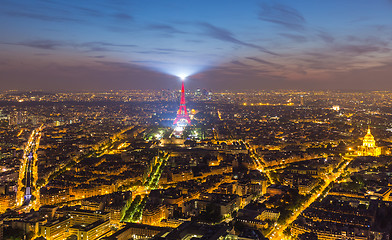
[{"x": 182, "y": 118}]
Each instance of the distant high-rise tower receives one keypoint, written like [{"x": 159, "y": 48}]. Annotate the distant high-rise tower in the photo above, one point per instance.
[{"x": 182, "y": 114}]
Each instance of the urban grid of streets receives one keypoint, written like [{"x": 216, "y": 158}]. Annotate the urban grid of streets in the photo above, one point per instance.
[
  {"x": 277, "y": 231},
  {"x": 130, "y": 144},
  {"x": 152, "y": 182}
]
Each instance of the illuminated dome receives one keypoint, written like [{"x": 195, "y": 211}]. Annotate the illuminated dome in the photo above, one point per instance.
[
  {"x": 369, "y": 147},
  {"x": 368, "y": 140}
]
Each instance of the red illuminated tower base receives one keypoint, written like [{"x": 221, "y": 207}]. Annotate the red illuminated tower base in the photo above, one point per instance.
[{"x": 182, "y": 114}]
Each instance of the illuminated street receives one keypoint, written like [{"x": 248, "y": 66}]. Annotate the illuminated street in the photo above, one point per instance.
[
  {"x": 277, "y": 231},
  {"x": 28, "y": 193}
]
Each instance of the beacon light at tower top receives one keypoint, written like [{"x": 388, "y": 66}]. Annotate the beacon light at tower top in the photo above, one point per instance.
[{"x": 182, "y": 76}]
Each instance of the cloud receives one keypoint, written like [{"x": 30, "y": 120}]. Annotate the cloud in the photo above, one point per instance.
[
  {"x": 263, "y": 61},
  {"x": 123, "y": 17},
  {"x": 98, "y": 56},
  {"x": 43, "y": 44},
  {"x": 47, "y": 44},
  {"x": 150, "y": 62},
  {"x": 282, "y": 15},
  {"x": 152, "y": 52},
  {"x": 370, "y": 40},
  {"x": 353, "y": 54},
  {"x": 89, "y": 11},
  {"x": 361, "y": 49},
  {"x": 226, "y": 77},
  {"x": 194, "y": 41},
  {"x": 117, "y": 65},
  {"x": 326, "y": 37},
  {"x": 164, "y": 28},
  {"x": 172, "y": 50},
  {"x": 107, "y": 44},
  {"x": 164, "y": 51},
  {"x": 294, "y": 37},
  {"x": 103, "y": 46},
  {"x": 42, "y": 17},
  {"x": 226, "y": 36},
  {"x": 238, "y": 63},
  {"x": 40, "y": 44}
]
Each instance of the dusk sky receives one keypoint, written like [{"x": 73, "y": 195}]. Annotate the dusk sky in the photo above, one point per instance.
[{"x": 220, "y": 44}]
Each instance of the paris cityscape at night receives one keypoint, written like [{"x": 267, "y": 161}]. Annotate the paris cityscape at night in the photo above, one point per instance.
[{"x": 196, "y": 120}]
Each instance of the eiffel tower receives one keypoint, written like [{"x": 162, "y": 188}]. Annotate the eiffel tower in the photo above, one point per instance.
[{"x": 182, "y": 118}]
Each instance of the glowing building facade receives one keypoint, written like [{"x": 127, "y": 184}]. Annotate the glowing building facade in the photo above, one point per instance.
[{"x": 369, "y": 147}]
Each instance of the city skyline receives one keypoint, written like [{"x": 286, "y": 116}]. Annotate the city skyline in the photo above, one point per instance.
[
  {"x": 81, "y": 46},
  {"x": 179, "y": 120},
  {"x": 252, "y": 165}
]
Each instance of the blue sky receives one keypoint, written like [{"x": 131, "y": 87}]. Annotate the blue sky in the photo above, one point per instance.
[{"x": 101, "y": 45}]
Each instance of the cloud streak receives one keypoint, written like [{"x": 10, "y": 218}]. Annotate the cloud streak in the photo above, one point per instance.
[
  {"x": 47, "y": 44},
  {"x": 42, "y": 44},
  {"x": 164, "y": 28},
  {"x": 262, "y": 61},
  {"x": 360, "y": 49},
  {"x": 123, "y": 17},
  {"x": 294, "y": 37},
  {"x": 238, "y": 63},
  {"x": 102, "y": 46},
  {"x": 281, "y": 15},
  {"x": 42, "y": 17},
  {"x": 326, "y": 37},
  {"x": 173, "y": 50},
  {"x": 226, "y": 36}
]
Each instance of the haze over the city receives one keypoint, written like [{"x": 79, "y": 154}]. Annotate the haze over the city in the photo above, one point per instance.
[{"x": 235, "y": 45}]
